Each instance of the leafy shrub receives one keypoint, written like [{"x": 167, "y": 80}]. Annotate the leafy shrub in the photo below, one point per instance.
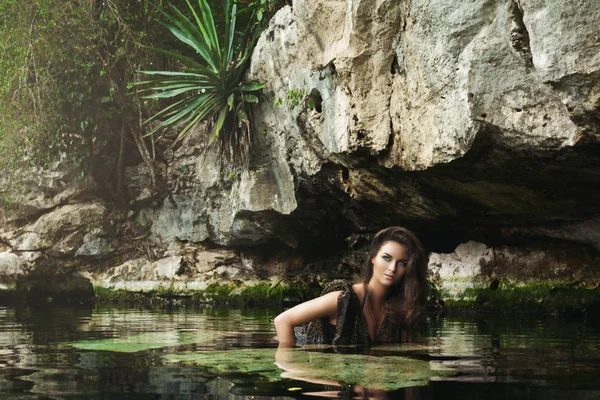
[{"x": 210, "y": 88}]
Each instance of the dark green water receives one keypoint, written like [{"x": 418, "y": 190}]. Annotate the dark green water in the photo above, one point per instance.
[{"x": 111, "y": 353}]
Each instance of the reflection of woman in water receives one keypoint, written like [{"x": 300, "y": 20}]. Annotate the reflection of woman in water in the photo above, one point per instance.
[
  {"x": 389, "y": 297},
  {"x": 371, "y": 377}
]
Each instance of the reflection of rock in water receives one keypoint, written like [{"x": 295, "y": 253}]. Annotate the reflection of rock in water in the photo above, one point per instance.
[
  {"x": 185, "y": 381},
  {"x": 57, "y": 382},
  {"x": 49, "y": 323},
  {"x": 547, "y": 368},
  {"x": 10, "y": 381},
  {"x": 541, "y": 353}
]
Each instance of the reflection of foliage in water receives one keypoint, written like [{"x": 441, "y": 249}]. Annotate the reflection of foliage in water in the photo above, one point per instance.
[
  {"x": 147, "y": 341},
  {"x": 386, "y": 372}
]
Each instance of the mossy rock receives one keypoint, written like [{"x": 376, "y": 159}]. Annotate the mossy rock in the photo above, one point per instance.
[
  {"x": 261, "y": 294},
  {"x": 539, "y": 298}
]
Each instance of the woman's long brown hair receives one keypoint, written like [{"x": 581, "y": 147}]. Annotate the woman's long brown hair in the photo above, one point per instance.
[{"x": 406, "y": 299}]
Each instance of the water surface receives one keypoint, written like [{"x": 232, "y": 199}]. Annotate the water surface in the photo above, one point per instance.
[{"x": 116, "y": 353}]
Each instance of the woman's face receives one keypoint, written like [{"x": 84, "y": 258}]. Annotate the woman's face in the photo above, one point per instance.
[{"x": 389, "y": 265}]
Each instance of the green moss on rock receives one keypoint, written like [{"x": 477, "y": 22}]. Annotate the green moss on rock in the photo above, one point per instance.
[
  {"x": 263, "y": 293},
  {"x": 535, "y": 298}
]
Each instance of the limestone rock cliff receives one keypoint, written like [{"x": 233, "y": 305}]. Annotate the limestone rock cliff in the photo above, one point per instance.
[{"x": 468, "y": 122}]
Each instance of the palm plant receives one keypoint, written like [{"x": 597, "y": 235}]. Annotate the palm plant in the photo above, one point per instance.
[{"x": 211, "y": 87}]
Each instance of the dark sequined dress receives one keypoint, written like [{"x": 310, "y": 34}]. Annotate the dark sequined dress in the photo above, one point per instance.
[{"x": 351, "y": 326}]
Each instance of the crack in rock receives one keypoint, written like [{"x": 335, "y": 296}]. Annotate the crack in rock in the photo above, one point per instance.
[{"x": 519, "y": 36}]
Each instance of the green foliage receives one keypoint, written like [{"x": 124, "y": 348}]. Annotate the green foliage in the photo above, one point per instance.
[
  {"x": 210, "y": 87},
  {"x": 264, "y": 9},
  {"x": 66, "y": 69},
  {"x": 49, "y": 53},
  {"x": 295, "y": 98},
  {"x": 435, "y": 300}
]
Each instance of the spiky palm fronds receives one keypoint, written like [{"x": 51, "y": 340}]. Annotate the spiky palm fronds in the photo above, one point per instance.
[{"x": 210, "y": 88}]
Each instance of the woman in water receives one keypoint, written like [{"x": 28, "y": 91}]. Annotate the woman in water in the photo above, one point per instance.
[{"x": 389, "y": 298}]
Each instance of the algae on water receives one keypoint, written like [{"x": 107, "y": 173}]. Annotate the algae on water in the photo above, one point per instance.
[
  {"x": 385, "y": 372},
  {"x": 147, "y": 341},
  {"x": 256, "y": 361}
]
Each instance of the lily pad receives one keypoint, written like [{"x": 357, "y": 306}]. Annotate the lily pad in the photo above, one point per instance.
[
  {"x": 385, "y": 372},
  {"x": 147, "y": 341}
]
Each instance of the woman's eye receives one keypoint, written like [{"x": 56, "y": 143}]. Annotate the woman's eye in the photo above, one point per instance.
[
  {"x": 403, "y": 263},
  {"x": 387, "y": 258}
]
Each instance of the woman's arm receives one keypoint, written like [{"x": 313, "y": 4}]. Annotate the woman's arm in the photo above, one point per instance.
[{"x": 321, "y": 307}]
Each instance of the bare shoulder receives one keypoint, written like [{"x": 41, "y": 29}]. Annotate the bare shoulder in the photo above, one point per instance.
[{"x": 359, "y": 289}]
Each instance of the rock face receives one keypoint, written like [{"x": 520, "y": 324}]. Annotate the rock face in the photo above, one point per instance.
[
  {"x": 483, "y": 66},
  {"x": 28, "y": 193},
  {"x": 456, "y": 120},
  {"x": 434, "y": 115},
  {"x": 419, "y": 81},
  {"x": 184, "y": 268},
  {"x": 475, "y": 124},
  {"x": 462, "y": 269},
  {"x": 475, "y": 265},
  {"x": 57, "y": 288},
  {"x": 190, "y": 269},
  {"x": 44, "y": 251},
  {"x": 210, "y": 199},
  {"x": 73, "y": 229}
]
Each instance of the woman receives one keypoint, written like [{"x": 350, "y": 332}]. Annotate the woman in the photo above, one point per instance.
[{"x": 390, "y": 296}]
